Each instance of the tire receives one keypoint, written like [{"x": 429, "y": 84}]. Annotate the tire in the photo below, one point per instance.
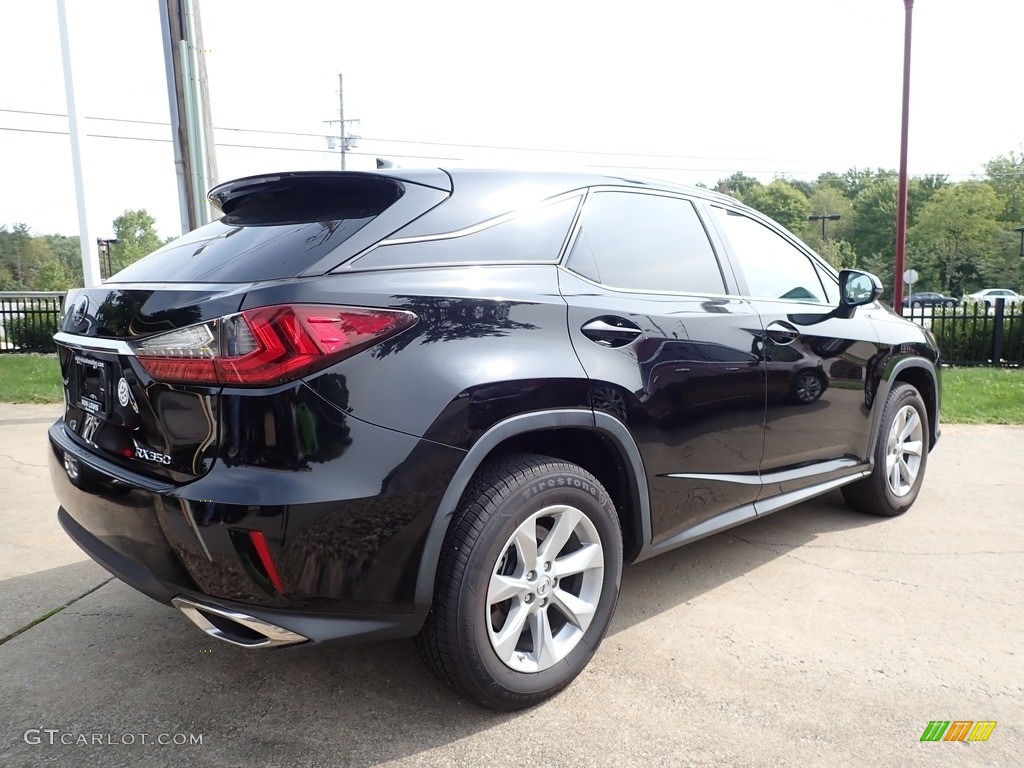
[
  {"x": 916, "y": 305},
  {"x": 482, "y": 645},
  {"x": 900, "y": 457},
  {"x": 949, "y": 304}
]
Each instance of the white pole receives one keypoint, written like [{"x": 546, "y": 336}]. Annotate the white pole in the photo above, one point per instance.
[
  {"x": 194, "y": 104},
  {"x": 90, "y": 259},
  {"x": 172, "y": 97}
]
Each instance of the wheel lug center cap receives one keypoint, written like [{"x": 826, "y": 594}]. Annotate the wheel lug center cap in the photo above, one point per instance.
[{"x": 543, "y": 586}]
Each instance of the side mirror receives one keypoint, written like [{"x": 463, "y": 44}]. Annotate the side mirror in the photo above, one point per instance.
[{"x": 858, "y": 288}]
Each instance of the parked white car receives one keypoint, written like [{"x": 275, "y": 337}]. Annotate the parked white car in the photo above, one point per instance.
[{"x": 988, "y": 297}]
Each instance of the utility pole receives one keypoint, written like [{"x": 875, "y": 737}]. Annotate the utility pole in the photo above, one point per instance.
[
  {"x": 188, "y": 96},
  {"x": 341, "y": 117},
  {"x": 346, "y": 141}
]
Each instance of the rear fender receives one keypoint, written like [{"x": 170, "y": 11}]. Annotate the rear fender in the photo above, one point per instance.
[{"x": 492, "y": 439}]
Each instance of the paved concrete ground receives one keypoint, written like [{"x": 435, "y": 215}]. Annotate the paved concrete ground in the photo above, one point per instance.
[{"x": 812, "y": 637}]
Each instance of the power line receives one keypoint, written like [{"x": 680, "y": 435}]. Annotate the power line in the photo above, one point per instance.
[
  {"x": 224, "y": 144},
  {"x": 1005, "y": 174},
  {"x": 441, "y": 143},
  {"x": 109, "y": 119}
]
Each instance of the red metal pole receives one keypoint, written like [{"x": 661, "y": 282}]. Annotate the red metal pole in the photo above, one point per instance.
[{"x": 901, "y": 203}]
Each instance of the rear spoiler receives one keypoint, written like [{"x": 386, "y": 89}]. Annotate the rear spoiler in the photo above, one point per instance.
[{"x": 227, "y": 197}]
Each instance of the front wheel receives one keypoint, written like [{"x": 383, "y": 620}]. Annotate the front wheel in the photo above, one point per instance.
[
  {"x": 527, "y": 582},
  {"x": 901, "y": 456}
]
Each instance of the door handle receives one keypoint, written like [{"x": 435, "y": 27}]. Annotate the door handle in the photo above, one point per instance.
[
  {"x": 781, "y": 332},
  {"x": 611, "y": 331}
]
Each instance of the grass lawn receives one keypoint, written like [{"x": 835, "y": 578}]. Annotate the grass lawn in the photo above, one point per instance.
[
  {"x": 30, "y": 379},
  {"x": 983, "y": 396},
  {"x": 969, "y": 395}
]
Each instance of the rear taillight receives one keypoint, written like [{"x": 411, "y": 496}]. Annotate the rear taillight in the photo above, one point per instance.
[{"x": 268, "y": 345}]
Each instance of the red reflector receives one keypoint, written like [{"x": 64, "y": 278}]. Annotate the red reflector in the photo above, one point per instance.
[
  {"x": 259, "y": 543},
  {"x": 268, "y": 345},
  {"x": 176, "y": 369}
]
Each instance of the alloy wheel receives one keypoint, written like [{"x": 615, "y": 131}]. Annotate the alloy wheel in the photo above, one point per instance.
[
  {"x": 545, "y": 588},
  {"x": 903, "y": 451}
]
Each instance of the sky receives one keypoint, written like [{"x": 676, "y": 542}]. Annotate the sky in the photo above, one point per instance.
[{"x": 681, "y": 90}]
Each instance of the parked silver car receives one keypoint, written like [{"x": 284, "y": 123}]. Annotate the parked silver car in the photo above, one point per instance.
[{"x": 988, "y": 297}]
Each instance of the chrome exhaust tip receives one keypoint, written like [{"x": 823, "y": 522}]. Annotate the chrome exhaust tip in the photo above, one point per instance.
[{"x": 236, "y": 628}]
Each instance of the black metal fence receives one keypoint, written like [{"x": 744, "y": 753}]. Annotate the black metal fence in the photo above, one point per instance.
[
  {"x": 28, "y": 320},
  {"x": 976, "y": 333},
  {"x": 968, "y": 334}
]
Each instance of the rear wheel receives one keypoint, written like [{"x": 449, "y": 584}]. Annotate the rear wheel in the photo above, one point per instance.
[
  {"x": 901, "y": 456},
  {"x": 527, "y": 582}
]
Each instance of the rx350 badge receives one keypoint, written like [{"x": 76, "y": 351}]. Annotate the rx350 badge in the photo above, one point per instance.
[{"x": 148, "y": 454}]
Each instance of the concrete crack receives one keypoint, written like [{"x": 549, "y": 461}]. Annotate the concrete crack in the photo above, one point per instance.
[
  {"x": 22, "y": 463},
  {"x": 54, "y": 612}
]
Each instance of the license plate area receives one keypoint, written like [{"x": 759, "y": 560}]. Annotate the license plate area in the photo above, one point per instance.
[{"x": 92, "y": 385}]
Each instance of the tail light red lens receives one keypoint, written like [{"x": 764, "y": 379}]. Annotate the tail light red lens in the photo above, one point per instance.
[{"x": 268, "y": 345}]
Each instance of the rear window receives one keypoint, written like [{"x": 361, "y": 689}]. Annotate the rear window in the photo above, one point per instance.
[{"x": 273, "y": 229}]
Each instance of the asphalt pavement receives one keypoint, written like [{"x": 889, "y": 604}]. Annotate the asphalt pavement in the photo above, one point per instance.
[{"x": 816, "y": 636}]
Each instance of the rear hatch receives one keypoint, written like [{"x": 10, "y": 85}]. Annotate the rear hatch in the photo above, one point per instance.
[{"x": 146, "y": 356}]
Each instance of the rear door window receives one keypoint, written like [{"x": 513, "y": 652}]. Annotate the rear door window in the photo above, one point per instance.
[{"x": 645, "y": 242}]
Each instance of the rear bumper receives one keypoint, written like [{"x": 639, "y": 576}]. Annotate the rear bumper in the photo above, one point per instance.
[
  {"x": 344, "y": 537},
  {"x": 310, "y": 627}
]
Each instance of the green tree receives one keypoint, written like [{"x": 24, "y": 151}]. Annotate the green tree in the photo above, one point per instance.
[
  {"x": 806, "y": 187},
  {"x": 34, "y": 255},
  {"x": 738, "y": 185},
  {"x": 782, "y": 202},
  {"x": 872, "y": 231},
  {"x": 66, "y": 250},
  {"x": 824, "y": 201},
  {"x": 854, "y": 181},
  {"x": 839, "y": 254},
  {"x": 1006, "y": 175},
  {"x": 956, "y": 241},
  {"x": 136, "y": 234},
  {"x": 921, "y": 189},
  {"x": 53, "y": 276},
  {"x": 14, "y": 255}
]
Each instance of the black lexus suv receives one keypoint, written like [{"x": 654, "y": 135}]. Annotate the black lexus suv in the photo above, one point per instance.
[{"x": 452, "y": 404}]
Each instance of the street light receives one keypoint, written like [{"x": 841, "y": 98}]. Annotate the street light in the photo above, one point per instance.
[
  {"x": 823, "y": 218},
  {"x": 103, "y": 244}
]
